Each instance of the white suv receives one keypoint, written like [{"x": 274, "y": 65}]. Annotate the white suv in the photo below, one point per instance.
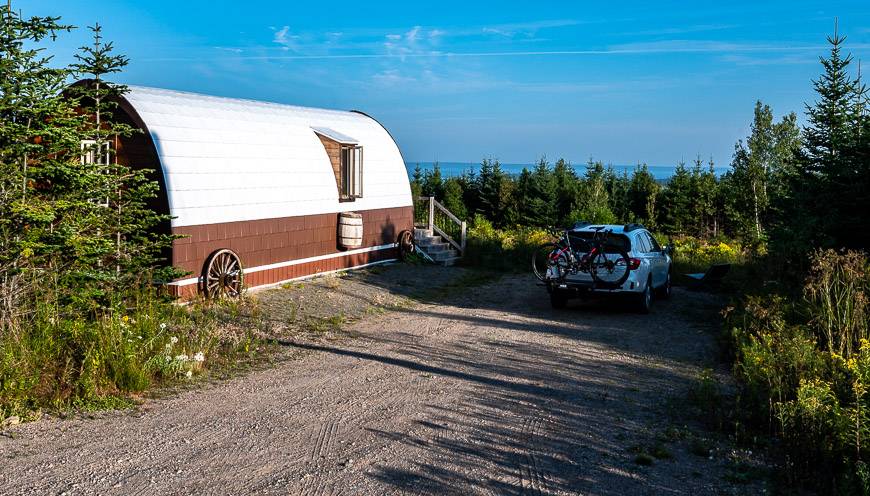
[{"x": 650, "y": 267}]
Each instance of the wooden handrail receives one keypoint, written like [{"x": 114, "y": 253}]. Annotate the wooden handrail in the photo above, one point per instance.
[
  {"x": 463, "y": 226},
  {"x": 447, "y": 212}
]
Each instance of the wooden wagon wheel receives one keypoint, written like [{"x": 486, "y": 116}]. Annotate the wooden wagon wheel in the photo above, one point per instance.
[
  {"x": 222, "y": 275},
  {"x": 406, "y": 244}
]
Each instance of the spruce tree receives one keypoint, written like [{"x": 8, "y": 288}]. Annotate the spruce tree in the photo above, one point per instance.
[
  {"x": 122, "y": 191},
  {"x": 492, "y": 188},
  {"x": 642, "y": 195},
  {"x": 39, "y": 207},
  {"x": 535, "y": 196},
  {"x": 702, "y": 198},
  {"x": 433, "y": 183},
  {"x": 676, "y": 201},
  {"x": 417, "y": 182},
  {"x": 617, "y": 186},
  {"x": 566, "y": 190},
  {"x": 453, "y": 194},
  {"x": 829, "y": 184}
]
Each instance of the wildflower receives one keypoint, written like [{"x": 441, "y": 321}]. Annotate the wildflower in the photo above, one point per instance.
[
  {"x": 162, "y": 326},
  {"x": 189, "y": 374},
  {"x": 182, "y": 357},
  {"x": 199, "y": 357},
  {"x": 173, "y": 340},
  {"x": 125, "y": 318}
]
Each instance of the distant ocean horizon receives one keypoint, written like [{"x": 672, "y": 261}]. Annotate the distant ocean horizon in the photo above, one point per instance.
[{"x": 453, "y": 169}]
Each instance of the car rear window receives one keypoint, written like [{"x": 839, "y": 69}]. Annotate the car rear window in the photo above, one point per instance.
[{"x": 615, "y": 242}]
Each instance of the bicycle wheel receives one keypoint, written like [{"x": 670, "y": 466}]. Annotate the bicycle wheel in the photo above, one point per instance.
[
  {"x": 548, "y": 263},
  {"x": 609, "y": 270}
]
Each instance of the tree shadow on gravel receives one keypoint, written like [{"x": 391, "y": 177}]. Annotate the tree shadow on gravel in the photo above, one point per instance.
[
  {"x": 552, "y": 406},
  {"x": 547, "y": 423}
]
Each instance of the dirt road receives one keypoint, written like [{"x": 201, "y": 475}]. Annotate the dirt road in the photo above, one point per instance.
[{"x": 490, "y": 392}]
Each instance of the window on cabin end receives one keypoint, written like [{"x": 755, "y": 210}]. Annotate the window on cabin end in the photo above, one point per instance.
[
  {"x": 346, "y": 157},
  {"x": 351, "y": 172},
  {"x": 93, "y": 154}
]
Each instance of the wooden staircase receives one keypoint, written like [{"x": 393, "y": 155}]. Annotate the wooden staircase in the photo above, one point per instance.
[
  {"x": 440, "y": 251},
  {"x": 437, "y": 232}
]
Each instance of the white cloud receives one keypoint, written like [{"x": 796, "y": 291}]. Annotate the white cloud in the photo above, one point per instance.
[
  {"x": 696, "y": 28},
  {"x": 287, "y": 40},
  {"x": 527, "y": 29},
  {"x": 229, "y": 49},
  {"x": 412, "y": 35},
  {"x": 701, "y": 46}
]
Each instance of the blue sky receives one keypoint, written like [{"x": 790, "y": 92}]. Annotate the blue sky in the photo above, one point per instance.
[{"x": 652, "y": 82}]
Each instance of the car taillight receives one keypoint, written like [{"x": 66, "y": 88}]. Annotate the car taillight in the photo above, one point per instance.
[{"x": 633, "y": 263}]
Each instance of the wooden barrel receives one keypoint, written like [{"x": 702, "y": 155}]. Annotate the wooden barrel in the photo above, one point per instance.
[{"x": 350, "y": 230}]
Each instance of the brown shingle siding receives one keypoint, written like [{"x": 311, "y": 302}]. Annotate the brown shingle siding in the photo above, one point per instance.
[{"x": 269, "y": 241}]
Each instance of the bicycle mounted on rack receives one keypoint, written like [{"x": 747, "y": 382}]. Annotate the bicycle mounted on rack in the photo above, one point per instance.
[{"x": 606, "y": 262}]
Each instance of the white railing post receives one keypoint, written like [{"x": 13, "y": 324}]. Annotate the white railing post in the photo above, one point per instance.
[
  {"x": 464, "y": 230},
  {"x": 431, "y": 213}
]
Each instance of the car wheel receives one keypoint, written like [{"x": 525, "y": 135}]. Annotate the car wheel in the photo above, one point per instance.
[
  {"x": 664, "y": 292},
  {"x": 558, "y": 299},
  {"x": 644, "y": 299}
]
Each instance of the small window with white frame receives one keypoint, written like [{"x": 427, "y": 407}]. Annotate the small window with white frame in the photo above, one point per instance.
[
  {"x": 92, "y": 153},
  {"x": 346, "y": 157},
  {"x": 351, "y": 172}
]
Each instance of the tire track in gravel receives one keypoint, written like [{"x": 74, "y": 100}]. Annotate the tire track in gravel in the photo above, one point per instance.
[
  {"x": 533, "y": 480},
  {"x": 323, "y": 441}
]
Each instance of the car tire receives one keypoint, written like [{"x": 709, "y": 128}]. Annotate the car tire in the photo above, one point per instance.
[
  {"x": 558, "y": 299},
  {"x": 644, "y": 299},
  {"x": 664, "y": 292}
]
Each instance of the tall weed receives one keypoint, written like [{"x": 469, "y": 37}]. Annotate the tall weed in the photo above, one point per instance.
[
  {"x": 836, "y": 291},
  {"x": 803, "y": 366}
]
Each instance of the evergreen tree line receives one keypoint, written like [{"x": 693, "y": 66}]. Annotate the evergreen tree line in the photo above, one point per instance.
[
  {"x": 692, "y": 202},
  {"x": 75, "y": 225},
  {"x": 791, "y": 186}
]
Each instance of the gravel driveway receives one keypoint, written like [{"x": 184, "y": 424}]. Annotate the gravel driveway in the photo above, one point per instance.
[{"x": 485, "y": 392}]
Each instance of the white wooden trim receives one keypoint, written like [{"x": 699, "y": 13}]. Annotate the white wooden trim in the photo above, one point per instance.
[
  {"x": 288, "y": 263},
  {"x": 319, "y": 274}
]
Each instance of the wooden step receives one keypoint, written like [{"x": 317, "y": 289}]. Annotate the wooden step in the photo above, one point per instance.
[
  {"x": 429, "y": 241},
  {"x": 437, "y": 247},
  {"x": 440, "y": 256}
]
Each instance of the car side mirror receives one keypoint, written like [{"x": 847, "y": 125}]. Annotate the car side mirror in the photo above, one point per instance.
[{"x": 668, "y": 250}]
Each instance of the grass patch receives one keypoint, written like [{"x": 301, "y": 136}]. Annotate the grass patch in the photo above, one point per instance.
[
  {"x": 323, "y": 325},
  {"x": 65, "y": 361}
]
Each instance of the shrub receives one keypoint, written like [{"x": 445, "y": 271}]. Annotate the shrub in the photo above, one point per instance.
[
  {"x": 502, "y": 249},
  {"x": 804, "y": 369},
  {"x": 697, "y": 254},
  {"x": 60, "y": 359}
]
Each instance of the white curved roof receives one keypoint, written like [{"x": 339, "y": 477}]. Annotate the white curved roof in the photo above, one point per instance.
[{"x": 227, "y": 160}]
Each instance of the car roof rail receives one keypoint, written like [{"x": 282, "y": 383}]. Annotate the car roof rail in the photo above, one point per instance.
[{"x": 632, "y": 227}]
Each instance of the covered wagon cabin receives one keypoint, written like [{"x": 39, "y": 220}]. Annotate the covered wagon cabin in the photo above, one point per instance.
[{"x": 264, "y": 193}]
